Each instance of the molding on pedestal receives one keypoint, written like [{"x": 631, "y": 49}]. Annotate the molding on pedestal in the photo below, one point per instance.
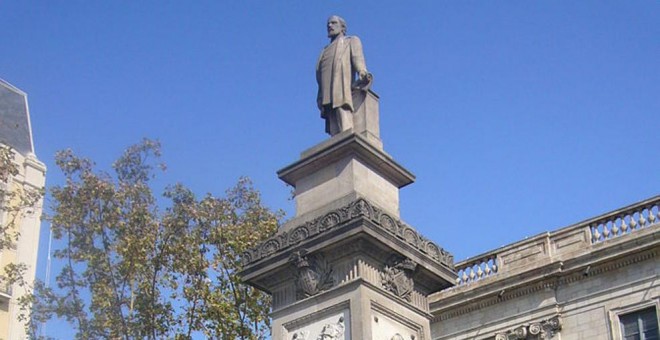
[
  {"x": 333, "y": 219},
  {"x": 339, "y": 146}
]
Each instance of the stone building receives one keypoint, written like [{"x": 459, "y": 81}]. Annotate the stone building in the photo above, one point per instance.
[
  {"x": 15, "y": 132},
  {"x": 596, "y": 279}
]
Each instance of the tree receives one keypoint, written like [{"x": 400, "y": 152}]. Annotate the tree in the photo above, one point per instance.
[{"x": 134, "y": 270}]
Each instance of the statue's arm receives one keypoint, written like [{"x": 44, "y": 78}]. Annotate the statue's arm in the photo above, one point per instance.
[
  {"x": 319, "y": 94},
  {"x": 357, "y": 57}
]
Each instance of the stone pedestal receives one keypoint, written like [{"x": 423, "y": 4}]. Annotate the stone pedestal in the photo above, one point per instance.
[
  {"x": 346, "y": 266},
  {"x": 340, "y": 170}
]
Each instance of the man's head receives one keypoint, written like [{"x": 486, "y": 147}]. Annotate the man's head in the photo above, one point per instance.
[{"x": 336, "y": 26}]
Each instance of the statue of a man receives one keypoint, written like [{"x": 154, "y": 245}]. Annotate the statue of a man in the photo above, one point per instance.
[{"x": 336, "y": 71}]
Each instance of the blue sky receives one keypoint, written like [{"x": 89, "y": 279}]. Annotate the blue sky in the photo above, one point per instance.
[{"x": 516, "y": 117}]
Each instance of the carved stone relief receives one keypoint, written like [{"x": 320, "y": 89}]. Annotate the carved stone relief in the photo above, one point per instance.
[
  {"x": 335, "y": 326},
  {"x": 332, "y": 331},
  {"x": 335, "y": 219},
  {"x": 312, "y": 273},
  {"x": 397, "y": 276},
  {"x": 543, "y": 330}
]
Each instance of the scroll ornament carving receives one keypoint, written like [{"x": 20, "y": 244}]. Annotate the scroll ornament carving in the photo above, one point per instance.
[
  {"x": 397, "y": 277},
  {"x": 336, "y": 219},
  {"x": 313, "y": 274},
  {"x": 545, "y": 330}
]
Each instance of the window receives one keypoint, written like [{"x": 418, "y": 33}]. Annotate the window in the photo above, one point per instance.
[{"x": 640, "y": 325}]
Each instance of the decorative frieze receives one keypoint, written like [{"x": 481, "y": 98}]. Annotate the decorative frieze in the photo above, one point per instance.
[
  {"x": 543, "y": 330},
  {"x": 340, "y": 217}
]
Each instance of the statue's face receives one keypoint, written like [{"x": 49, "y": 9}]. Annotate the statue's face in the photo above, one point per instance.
[{"x": 334, "y": 27}]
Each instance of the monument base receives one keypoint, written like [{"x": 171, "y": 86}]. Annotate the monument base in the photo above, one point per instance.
[
  {"x": 355, "y": 268},
  {"x": 354, "y": 311}
]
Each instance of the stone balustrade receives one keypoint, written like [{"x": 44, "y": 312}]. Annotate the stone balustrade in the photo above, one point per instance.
[
  {"x": 625, "y": 221},
  {"x": 477, "y": 268},
  {"x": 544, "y": 247}
]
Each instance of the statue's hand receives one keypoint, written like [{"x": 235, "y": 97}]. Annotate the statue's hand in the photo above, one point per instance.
[{"x": 364, "y": 81}]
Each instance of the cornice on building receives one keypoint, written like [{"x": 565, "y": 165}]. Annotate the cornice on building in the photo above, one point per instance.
[{"x": 617, "y": 239}]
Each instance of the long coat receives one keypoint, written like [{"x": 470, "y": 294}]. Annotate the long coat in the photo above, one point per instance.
[{"x": 347, "y": 61}]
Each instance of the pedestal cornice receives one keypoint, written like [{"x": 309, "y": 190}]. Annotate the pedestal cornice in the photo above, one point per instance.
[
  {"x": 339, "y": 146},
  {"x": 359, "y": 219}
]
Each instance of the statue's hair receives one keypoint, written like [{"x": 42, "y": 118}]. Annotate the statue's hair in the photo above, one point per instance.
[{"x": 341, "y": 21}]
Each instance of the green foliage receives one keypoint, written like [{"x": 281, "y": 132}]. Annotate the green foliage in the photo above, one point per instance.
[{"x": 134, "y": 270}]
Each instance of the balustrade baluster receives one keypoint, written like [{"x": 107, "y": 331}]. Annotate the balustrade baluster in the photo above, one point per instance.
[
  {"x": 606, "y": 231},
  {"x": 624, "y": 226},
  {"x": 615, "y": 228},
  {"x": 642, "y": 220},
  {"x": 595, "y": 233}
]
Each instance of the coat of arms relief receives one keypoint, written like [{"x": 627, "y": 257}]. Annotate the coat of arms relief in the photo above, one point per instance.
[
  {"x": 313, "y": 274},
  {"x": 397, "y": 276}
]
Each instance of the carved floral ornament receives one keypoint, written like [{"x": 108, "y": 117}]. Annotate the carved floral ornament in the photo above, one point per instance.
[
  {"x": 543, "y": 330},
  {"x": 357, "y": 209}
]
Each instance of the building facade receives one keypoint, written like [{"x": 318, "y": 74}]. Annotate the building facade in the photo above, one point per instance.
[
  {"x": 16, "y": 134},
  {"x": 597, "y": 279}
]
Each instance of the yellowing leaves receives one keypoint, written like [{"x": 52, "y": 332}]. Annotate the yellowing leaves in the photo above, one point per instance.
[{"x": 138, "y": 268}]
